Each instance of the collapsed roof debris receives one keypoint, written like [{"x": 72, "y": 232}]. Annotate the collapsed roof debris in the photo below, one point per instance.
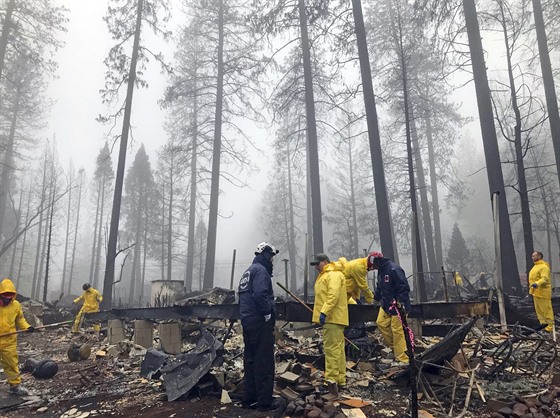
[{"x": 184, "y": 371}]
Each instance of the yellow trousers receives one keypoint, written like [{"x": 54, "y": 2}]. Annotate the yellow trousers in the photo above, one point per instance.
[
  {"x": 335, "y": 357},
  {"x": 78, "y": 322},
  {"x": 391, "y": 328},
  {"x": 9, "y": 362},
  {"x": 543, "y": 309}
]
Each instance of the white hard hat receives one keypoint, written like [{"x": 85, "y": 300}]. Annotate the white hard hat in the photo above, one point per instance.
[{"x": 266, "y": 246}]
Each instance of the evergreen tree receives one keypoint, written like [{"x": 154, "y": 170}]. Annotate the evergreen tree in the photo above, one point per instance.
[
  {"x": 139, "y": 210},
  {"x": 101, "y": 194},
  {"x": 125, "y": 20},
  {"x": 458, "y": 254}
]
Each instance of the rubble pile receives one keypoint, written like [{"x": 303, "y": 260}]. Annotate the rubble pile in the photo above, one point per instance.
[{"x": 539, "y": 406}]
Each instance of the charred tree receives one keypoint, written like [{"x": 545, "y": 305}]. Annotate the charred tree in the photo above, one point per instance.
[
  {"x": 423, "y": 191},
  {"x": 388, "y": 246},
  {"x": 49, "y": 243},
  {"x": 216, "y": 156},
  {"x": 510, "y": 272},
  {"x": 40, "y": 230},
  {"x": 115, "y": 214},
  {"x": 67, "y": 232},
  {"x": 312, "y": 148},
  {"x": 517, "y": 140},
  {"x": 410, "y": 161},
  {"x": 434, "y": 191},
  {"x": 76, "y": 227},
  {"x": 22, "y": 251},
  {"x": 548, "y": 82}
]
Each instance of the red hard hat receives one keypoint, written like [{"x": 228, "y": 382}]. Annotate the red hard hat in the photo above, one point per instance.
[{"x": 371, "y": 258}]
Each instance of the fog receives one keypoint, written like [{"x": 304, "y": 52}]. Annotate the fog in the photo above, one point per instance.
[{"x": 257, "y": 173}]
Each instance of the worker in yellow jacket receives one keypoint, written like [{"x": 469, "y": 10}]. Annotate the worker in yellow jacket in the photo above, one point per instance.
[
  {"x": 458, "y": 279},
  {"x": 91, "y": 298},
  {"x": 11, "y": 319},
  {"x": 541, "y": 289},
  {"x": 331, "y": 311},
  {"x": 355, "y": 275}
]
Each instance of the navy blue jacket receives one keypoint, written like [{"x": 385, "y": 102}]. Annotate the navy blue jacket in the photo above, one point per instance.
[
  {"x": 391, "y": 285},
  {"x": 256, "y": 297}
]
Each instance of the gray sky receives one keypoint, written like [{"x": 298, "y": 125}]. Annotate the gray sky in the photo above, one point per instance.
[{"x": 80, "y": 137}]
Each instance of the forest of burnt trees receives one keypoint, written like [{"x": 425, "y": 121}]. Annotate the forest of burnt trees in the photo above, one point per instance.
[{"x": 370, "y": 144}]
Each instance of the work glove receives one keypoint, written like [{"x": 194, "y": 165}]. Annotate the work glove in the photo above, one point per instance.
[
  {"x": 322, "y": 318},
  {"x": 267, "y": 317},
  {"x": 400, "y": 306},
  {"x": 31, "y": 329},
  {"x": 534, "y": 285}
]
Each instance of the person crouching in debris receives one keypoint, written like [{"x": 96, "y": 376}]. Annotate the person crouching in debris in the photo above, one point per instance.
[
  {"x": 91, "y": 298},
  {"x": 391, "y": 288},
  {"x": 258, "y": 313},
  {"x": 11, "y": 316},
  {"x": 331, "y": 311},
  {"x": 540, "y": 288},
  {"x": 355, "y": 275}
]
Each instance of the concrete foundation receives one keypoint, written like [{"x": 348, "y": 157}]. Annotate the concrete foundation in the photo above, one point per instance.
[
  {"x": 143, "y": 333},
  {"x": 115, "y": 331},
  {"x": 170, "y": 336}
]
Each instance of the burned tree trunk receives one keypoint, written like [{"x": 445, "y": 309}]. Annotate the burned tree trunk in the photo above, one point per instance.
[
  {"x": 116, "y": 212},
  {"x": 434, "y": 191},
  {"x": 510, "y": 272},
  {"x": 170, "y": 225},
  {"x": 216, "y": 156},
  {"x": 291, "y": 232},
  {"x": 423, "y": 190},
  {"x": 40, "y": 230},
  {"x": 519, "y": 155},
  {"x": 81, "y": 172},
  {"x": 312, "y": 149},
  {"x": 192, "y": 200},
  {"x": 548, "y": 82},
  {"x": 354, "y": 226},
  {"x": 22, "y": 252},
  {"x": 97, "y": 224},
  {"x": 99, "y": 233},
  {"x": 18, "y": 224},
  {"x": 49, "y": 242},
  {"x": 388, "y": 245},
  {"x": 7, "y": 165},
  {"x": 6, "y": 26}
]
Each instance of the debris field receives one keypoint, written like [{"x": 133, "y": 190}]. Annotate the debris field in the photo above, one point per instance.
[{"x": 194, "y": 368}]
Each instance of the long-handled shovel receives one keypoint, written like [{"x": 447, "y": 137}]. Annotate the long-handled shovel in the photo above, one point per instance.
[
  {"x": 21, "y": 331},
  {"x": 311, "y": 310}
]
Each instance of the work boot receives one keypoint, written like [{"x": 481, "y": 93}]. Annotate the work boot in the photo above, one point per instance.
[
  {"x": 249, "y": 404},
  {"x": 333, "y": 388},
  {"x": 277, "y": 405},
  {"x": 18, "y": 390}
]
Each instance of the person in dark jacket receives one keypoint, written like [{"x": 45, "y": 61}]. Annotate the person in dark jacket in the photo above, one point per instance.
[
  {"x": 392, "y": 288},
  {"x": 257, "y": 312}
]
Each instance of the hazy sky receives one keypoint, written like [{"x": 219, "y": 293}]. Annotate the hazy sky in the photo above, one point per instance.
[{"x": 80, "y": 137}]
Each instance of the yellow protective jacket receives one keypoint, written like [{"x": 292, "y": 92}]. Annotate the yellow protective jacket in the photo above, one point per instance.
[
  {"x": 540, "y": 274},
  {"x": 11, "y": 316},
  {"x": 330, "y": 295},
  {"x": 355, "y": 274},
  {"x": 91, "y": 298},
  {"x": 458, "y": 279}
]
